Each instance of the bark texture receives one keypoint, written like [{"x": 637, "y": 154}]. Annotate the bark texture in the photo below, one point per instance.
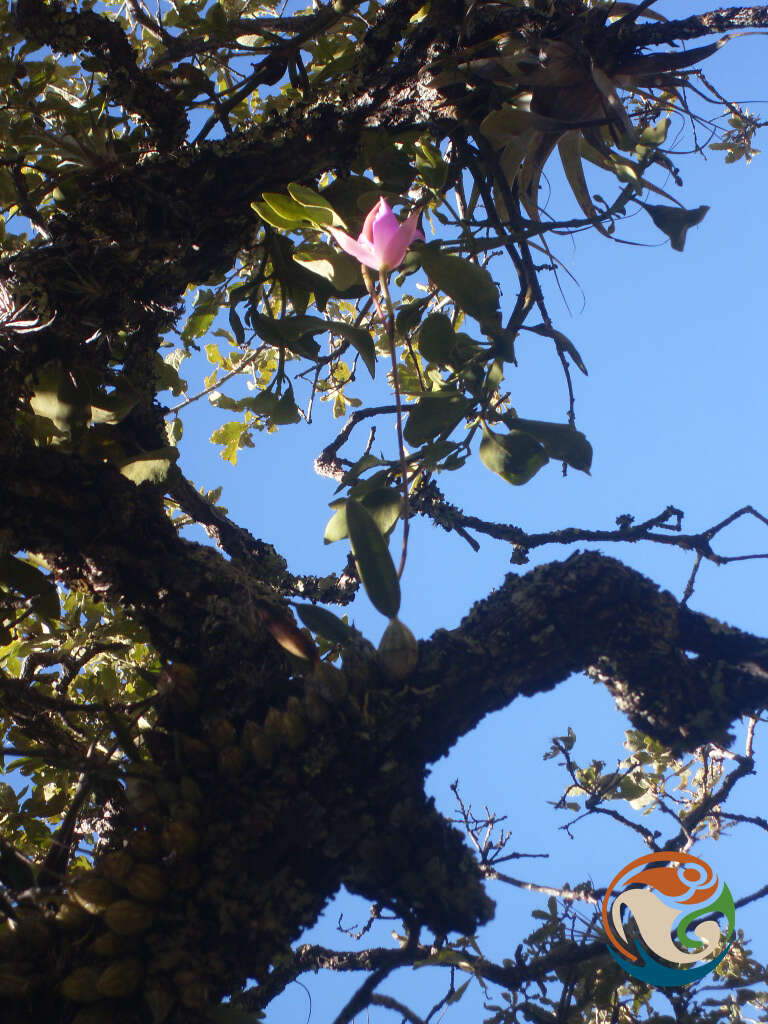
[{"x": 269, "y": 788}]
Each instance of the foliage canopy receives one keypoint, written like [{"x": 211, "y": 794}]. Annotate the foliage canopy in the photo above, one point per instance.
[{"x": 201, "y": 772}]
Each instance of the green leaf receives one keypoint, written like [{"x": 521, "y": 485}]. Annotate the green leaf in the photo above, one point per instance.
[
  {"x": 515, "y": 457},
  {"x": 469, "y": 285},
  {"x": 114, "y": 407},
  {"x": 233, "y": 436},
  {"x": 408, "y": 316},
  {"x": 274, "y": 219},
  {"x": 237, "y": 325},
  {"x": 321, "y": 621},
  {"x": 285, "y": 410},
  {"x": 562, "y": 442},
  {"x": 293, "y": 332},
  {"x": 198, "y": 324},
  {"x": 430, "y": 164},
  {"x": 655, "y": 134},
  {"x": 562, "y": 341},
  {"x": 60, "y": 398},
  {"x": 436, "y": 338},
  {"x": 28, "y": 580},
  {"x": 570, "y": 156},
  {"x": 341, "y": 270},
  {"x": 353, "y": 197},
  {"x": 150, "y": 467},
  {"x": 374, "y": 562},
  {"x": 360, "y": 339},
  {"x": 233, "y": 1015},
  {"x": 383, "y": 504},
  {"x": 435, "y": 414},
  {"x": 675, "y": 221},
  {"x": 358, "y": 468},
  {"x": 319, "y": 209},
  {"x": 286, "y": 208},
  {"x": 454, "y": 997}
]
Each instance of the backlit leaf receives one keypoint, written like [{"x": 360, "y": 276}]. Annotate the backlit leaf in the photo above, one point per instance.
[
  {"x": 561, "y": 441},
  {"x": 150, "y": 467},
  {"x": 321, "y": 621},
  {"x": 435, "y": 414},
  {"x": 383, "y": 504},
  {"x": 469, "y": 285},
  {"x": 374, "y": 562},
  {"x": 516, "y": 457}
]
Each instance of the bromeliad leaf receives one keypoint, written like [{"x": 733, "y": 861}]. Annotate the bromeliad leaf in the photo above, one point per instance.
[
  {"x": 374, "y": 562},
  {"x": 516, "y": 457}
]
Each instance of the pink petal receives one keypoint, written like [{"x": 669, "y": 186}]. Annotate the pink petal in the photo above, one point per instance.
[
  {"x": 392, "y": 251},
  {"x": 373, "y": 213},
  {"x": 361, "y": 249},
  {"x": 385, "y": 229}
]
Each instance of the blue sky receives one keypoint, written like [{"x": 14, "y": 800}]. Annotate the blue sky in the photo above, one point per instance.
[{"x": 674, "y": 406}]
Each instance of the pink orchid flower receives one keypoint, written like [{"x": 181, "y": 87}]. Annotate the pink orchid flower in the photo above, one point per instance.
[{"x": 383, "y": 242}]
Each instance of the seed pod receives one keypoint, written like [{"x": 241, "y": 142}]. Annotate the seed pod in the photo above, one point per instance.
[
  {"x": 190, "y": 791},
  {"x": 13, "y": 985},
  {"x": 358, "y": 660},
  {"x": 70, "y": 915},
  {"x": 100, "y": 1013},
  {"x": 221, "y": 733},
  {"x": 80, "y": 985},
  {"x": 398, "y": 653},
  {"x": 185, "y": 876},
  {"x": 128, "y": 918},
  {"x": 92, "y": 893},
  {"x": 32, "y": 929},
  {"x": 180, "y": 683},
  {"x": 180, "y": 838},
  {"x": 112, "y": 945},
  {"x": 260, "y": 746},
  {"x": 195, "y": 752},
  {"x": 168, "y": 791},
  {"x": 159, "y": 997},
  {"x": 294, "y": 729},
  {"x": 231, "y": 762},
  {"x": 185, "y": 811},
  {"x": 192, "y": 990},
  {"x": 116, "y": 866},
  {"x": 272, "y": 726},
  {"x": 329, "y": 681},
  {"x": 145, "y": 846},
  {"x": 8, "y": 938},
  {"x": 141, "y": 795},
  {"x": 316, "y": 710},
  {"x": 120, "y": 978},
  {"x": 147, "y": 882}
]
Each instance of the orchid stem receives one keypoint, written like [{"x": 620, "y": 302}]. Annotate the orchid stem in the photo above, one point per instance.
[{"x": 389, "y": 325}]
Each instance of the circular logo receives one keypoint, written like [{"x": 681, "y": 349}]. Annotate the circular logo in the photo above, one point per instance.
[{"x": 661, "y": 915}]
